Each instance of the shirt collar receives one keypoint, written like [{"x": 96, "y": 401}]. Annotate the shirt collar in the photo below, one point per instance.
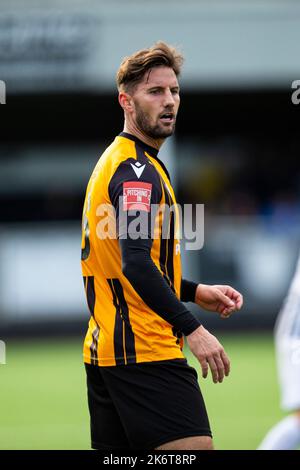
[
  {"x": 151, "y": 150},
  {"x": 147, "y": 148}
]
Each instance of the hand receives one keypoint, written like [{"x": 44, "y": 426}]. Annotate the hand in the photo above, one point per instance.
[
  {"x": 209, "y": 352},
  {"x": 221, "y": 299}
]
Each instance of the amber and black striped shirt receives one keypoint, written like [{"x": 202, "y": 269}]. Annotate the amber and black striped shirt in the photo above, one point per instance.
[{"x": 133, "y": 285}]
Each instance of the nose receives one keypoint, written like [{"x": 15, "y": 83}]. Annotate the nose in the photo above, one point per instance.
[{"x": 169, "y": 101}]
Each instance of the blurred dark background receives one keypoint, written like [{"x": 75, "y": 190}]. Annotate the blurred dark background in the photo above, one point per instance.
[{"x": 236, "y": 148}]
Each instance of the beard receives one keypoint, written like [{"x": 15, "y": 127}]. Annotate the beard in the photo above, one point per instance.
[{"x": 155, "y": 131}]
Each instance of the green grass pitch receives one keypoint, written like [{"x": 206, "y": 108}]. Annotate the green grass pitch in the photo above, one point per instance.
[{"x": 43, "y": 395}]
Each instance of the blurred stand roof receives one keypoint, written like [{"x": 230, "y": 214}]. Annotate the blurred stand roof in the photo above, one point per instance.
[{"x": 67, "y": 45}]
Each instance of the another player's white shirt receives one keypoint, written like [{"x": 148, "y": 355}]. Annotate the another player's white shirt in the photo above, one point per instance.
[{"x": 287, "y": 339}]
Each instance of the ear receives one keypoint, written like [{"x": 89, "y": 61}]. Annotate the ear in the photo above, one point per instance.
[{"x": 125, "y": 101}]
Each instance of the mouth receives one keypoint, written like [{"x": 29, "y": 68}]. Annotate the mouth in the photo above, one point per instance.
[{"x": 167, "y": 118}]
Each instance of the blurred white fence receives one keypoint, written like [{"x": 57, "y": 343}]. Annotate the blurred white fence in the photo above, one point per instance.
[{"x": 40, "y": 275}]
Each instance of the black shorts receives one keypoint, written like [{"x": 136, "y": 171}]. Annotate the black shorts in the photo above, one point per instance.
[{"x": 142, "y": 406}]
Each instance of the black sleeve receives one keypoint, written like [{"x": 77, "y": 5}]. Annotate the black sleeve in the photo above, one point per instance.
[
  {"x": 148, "y": 282},
  {"x": 134, "y": 191},
  {"x": 135, "y": 186},
  {"x": 188, "y": 290}
]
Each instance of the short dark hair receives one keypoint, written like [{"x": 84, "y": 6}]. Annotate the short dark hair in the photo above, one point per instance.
[{"x": 134, "y": 67}]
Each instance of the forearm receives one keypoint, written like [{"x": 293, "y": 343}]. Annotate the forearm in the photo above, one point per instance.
[
  {"x": 148, "y": 282},
  {"x": 188, "y": 290}
]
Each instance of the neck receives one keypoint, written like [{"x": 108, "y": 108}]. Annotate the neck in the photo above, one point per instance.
[{"x": 133, "y": 130}]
